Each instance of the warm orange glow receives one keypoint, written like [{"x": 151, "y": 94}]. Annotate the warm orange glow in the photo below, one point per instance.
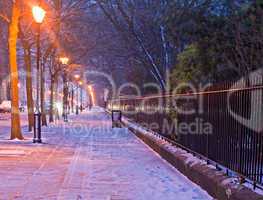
[
  {"x": 80, "y": 83},
  {"x": 92, "y": 94},
  {"x": 64, "y": 60},
  {"x": 38, "y": 14},
  {"x": 77, "y": 76}
]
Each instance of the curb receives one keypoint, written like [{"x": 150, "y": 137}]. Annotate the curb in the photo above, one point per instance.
[{"x": 216, "y": 183}]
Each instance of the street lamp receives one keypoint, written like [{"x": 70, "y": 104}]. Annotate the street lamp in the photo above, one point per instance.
[
  {"x": 77, "y": 77},
  {"x": 64, "y": 61},
  {"x": 72, "y": 98},
  {"x": 81, "y": 96},
  {"x": 92, "y": 95},
  {"x": 77, "y": 106},
  {"x": 39, "y": 15}
]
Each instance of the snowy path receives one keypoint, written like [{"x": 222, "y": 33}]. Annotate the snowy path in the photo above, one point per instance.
[{"x": 86, "y": 159}]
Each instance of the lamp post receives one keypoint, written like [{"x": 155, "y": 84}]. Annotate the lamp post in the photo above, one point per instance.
[
  {"x": 39, "y": 15},
  {"x": 64, "y": 61},
  {"x": 92, "y": 96},
  {"x": 81, "y": 96},
  {"x": 77, "y": 94},
  {"x": 72, "y": 98}
]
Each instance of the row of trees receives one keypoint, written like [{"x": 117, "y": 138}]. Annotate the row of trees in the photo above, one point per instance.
[
  {"x": 223, "y": 40},
  {"x": 134, "y": 40},
  {"x": 19, "y": 32},
  {"x": 197, "y": 40}
]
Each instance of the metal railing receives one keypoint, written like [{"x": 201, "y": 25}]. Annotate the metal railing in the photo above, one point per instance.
[{"x": 223, "y": 123}]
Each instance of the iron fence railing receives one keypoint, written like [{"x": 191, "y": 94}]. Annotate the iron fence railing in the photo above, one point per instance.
[{"x": 223, "y": 123}]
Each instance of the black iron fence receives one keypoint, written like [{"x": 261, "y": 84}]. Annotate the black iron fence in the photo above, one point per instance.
[{"x": 223, "y": 123}]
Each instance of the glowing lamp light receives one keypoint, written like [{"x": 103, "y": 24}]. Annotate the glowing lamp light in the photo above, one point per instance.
[
  {"x": 92, "y": 94},
  {"x": 77, "y": 76},
  {"x": 38, "y": 14},
  {"x": 59, "y": 107},
  {"x": 64, "y": 60},
  {"x": 80, "y": 83}
]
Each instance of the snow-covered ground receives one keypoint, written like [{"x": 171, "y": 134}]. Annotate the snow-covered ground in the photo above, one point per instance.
[{"x": 87, "y": 159}]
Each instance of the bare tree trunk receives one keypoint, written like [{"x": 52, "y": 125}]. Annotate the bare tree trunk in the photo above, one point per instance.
[
  {"x": 12, "y": 41},
  {"x": 72, "y": 100},
  {"x": 42, "y": 97},
  {"x": 29, "y": 90},
  {"x": 56, "y": 92},
  {"x": 28, "y": 66},
  {"x": 51, "y": 106},
  {"x": 68, "y": 101},
  {"x": 165, "y": 49},
  {"x": 65, "y": 94}
]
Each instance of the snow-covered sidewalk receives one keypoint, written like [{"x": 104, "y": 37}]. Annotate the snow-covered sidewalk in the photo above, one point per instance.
[{"x": 87, "y": 159}]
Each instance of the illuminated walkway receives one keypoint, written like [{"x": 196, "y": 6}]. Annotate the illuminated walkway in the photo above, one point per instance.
[{"x": 86, "y": 159}]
